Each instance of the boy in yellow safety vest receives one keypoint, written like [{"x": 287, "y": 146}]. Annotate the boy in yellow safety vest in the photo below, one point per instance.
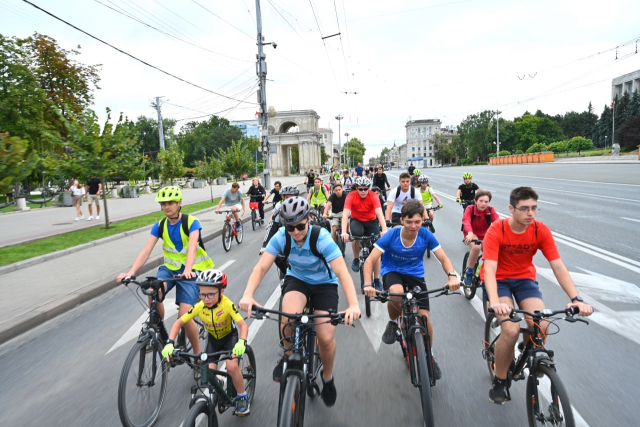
[
  {"x": 318, "y": 195},
  {"x": 427, "y": 197},
  {"x": 184, "y": 254}
]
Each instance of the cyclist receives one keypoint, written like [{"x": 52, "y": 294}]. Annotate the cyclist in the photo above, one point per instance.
[
  {"x": 318, "y": 195},
  {"x": 309, "y": 179},
  {"x": 258, "y": 192},
  {"x": 363, "y": 207},
  {"x": 233, "y": 199},
  {"x": 184, "y": 254},
  {"x": 370, "y": 173},
  {"x": 275, "y": 222},
  {"x": 336, "y": 204},
  {"x": 359, "y": 170},
  {"x": 414, "y": 178},
  {"x": 347, "y": 181},
  {"x": 411, "y": 169},
  {"x": 381, "y": 181},
  {"x": 336, "y": 177},
  {"x": 399, "y": 196},
  {"x": 427, "y": 194},
  {"x": 222, "y": 321},
  {"x": 276, "y": 193},
  {"x": 402, "y": 251},
  {"x": 475, "y": 223},
  {"x": 467, "y": 191},
  {"x": 509, "y": 273},
  {"x": 383, "y": 200},
  {"x": 308, "y": 278}
]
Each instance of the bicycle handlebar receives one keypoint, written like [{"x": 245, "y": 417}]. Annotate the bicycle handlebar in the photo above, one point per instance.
[
  {"x": 224, "y": 355},
  {"x": 260, "y": 313},
  {"x": 372, "y": 237},
  {"x": 151, "y": 283},
  {"x": 383, "y": 296},
  {"x": 476, "y": 241},
  {"x": 544, "y": 314}
]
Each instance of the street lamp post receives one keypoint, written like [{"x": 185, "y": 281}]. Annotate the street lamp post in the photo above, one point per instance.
[
  {"x": 348, "y": 159},
  {"x": 339, "y": 118},
  {"x": 605, "y": 142}
]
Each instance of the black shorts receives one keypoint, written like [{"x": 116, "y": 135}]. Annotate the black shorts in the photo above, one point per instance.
[
  {"x": 409, "y": 283},
  {"x": 364, "y": 228},
  {"x": 395, "y": 218},
  {"x": 323, "y": 297},
  {"x": 224, "y": 344}
]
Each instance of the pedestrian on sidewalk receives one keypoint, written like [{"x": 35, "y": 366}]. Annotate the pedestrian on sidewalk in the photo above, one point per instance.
[
  {"x": 93, "y": 188},
  {"x": 77, "y": 191}
]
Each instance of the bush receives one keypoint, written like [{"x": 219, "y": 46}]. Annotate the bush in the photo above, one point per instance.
[
  {"x": 463, "y": 162},
  {"x": 519, "y": 152},
  {"x": 537, "y": 148},
  {"x": 579, "y": 143},
  {"x": 559, "y": 146}
]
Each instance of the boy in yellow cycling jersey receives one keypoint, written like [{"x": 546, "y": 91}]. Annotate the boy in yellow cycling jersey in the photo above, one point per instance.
[
  {"x": 222, "y": 320},
  {"x": 427, "y": 197}
]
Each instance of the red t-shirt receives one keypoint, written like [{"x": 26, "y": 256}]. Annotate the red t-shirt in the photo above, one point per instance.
[
  {"x": 362, "y": 209},
  {"x": 479, "y": 226},
  {"x": 514, "y": 252}
]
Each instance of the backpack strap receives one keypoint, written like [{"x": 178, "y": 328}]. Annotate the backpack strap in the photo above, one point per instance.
[
  {"x": 313, "y": 245},
  {"x": 185, "y": 229},
  {"x": 161, "y": 227}
]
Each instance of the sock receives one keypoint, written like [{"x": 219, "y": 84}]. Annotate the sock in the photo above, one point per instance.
[
  {"x": 500, "y": 381},
  {"x": 242, "y": 394},
  {"x": 469, "y": 270},
  {"x": 327, "y": 381}
]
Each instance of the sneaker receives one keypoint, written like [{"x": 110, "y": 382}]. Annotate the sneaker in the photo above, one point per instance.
[
  {"x": 437, "y": 373},
  {"x": 81, "y": 217},
  {"x": 77, "y": 218},
  {"x": 277, "y": 371},
  {"x": 242, "y": 406},
  {"x": 97, "y": 216},
  {"x": 238, "y": 226},
  {"x": 355, "y": 265},
  {"x": 390, "y": 333},
  {"x": 498, "y": 392},
  {"x": 329, "y": 393},
  {"x": 377, "y": 283},
  {"x": 468, "y": 277},
  {"x": 262, "y": 251},
  {"x": 90, "y": 218}
]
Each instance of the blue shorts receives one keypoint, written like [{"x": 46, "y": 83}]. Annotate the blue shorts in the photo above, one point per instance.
[
  {"x": 187, "y": 291},
  {"x": 520, "y": 289}
]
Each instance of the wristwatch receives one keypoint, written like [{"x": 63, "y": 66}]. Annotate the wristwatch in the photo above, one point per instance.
[
  {"x": 577, "y": 298},
  {"x": 453, "y": 273}
]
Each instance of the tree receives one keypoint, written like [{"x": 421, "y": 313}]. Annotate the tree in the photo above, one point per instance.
[
  {"x": 198, "y": 140},
  {"x": 356, "y": 150},
  {"x": 571, "y": 124},
  {"x": 559, "y": 147},
  {"x": 15, "y": 163},
  {"x": 589, "y": 123},
  {"x": 236, "y": 159},
  {"x": 537, "y": 148},
  {"x": 323, "y": 155},
  {"x": 603, "y": 128},
  {"x": 536, "y": 129},
  {"x": 171, "y": 163},
  {"x": 628, "y": 135},
  {"x": 146, "y": 129},
  {"x": 89, "y": 150},
  {"x": 579, "y": 143},
  {"x": 384, "y": 155},
  {"x": 209, "y": 170}
]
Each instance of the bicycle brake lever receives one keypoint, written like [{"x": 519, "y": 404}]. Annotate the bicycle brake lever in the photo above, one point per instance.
[{"x": 574, "y": 320}]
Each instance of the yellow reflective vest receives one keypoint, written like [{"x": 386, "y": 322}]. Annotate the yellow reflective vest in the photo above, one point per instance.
[{"x": 173, "y": 259}]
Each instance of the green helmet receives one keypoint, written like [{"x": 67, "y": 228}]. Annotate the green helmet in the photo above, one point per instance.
[
  {"x": 466, "y": 175},
  {"x": 169, "y": 194},
  {"x": 417, "y": 172}
]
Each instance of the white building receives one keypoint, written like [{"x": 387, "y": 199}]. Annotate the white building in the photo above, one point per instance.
[
  {"x": 419, "y": 148},
  {"x": 627, "y": 83},
  {"x": 326, "y": 138}
]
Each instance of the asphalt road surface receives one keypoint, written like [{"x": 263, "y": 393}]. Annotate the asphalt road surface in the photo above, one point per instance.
[{"x": 65, "y": 373}]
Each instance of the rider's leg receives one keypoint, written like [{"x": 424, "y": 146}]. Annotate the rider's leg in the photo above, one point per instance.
[
  {"x": 261, "y": 209},
  {"x": 294, "y": 299},
  {"x": 326, "y": 345},
  {"x": 334, "y": 231},
  {"x": 473, "y": 255},
  {"x": 394, "y": 306},
  {"x": 236, "y": 375},
  {"x": 186, "y": 296}
]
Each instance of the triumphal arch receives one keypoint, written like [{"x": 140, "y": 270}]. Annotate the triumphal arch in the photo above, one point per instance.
[{"x": 289, "y": 129}]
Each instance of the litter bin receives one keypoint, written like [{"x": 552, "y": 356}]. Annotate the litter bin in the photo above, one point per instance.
[{"x": 128, "y": 192}]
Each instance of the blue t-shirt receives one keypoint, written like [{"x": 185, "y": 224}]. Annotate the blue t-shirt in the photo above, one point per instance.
[
  {"x": 276, "y": 195},
  {"x": 405, "y": 260},
  {"x": 174, "y": 232},
  {"x": 359, "y": 170},
  {"x": 303, "y": 265}
]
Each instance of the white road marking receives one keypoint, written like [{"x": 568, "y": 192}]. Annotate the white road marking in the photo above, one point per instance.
[
  {"x": 549, "y": 203},
  {"x": 226, "y": 265},
  {"x": 560, "y": 179},
  {"x": 630, "y": 219},
  {"x": 375, "y": 325}
]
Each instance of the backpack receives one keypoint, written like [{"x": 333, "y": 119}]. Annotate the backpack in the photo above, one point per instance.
[
  {"x": 313, "y": 245},
  {"x": 413, "y": 192},
  {"x": 185, "y": 229},
  {"x": 487, "y": 217}
]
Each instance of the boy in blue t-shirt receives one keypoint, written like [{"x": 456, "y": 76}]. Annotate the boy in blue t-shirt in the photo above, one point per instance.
[{"x": 402, "y": 250}]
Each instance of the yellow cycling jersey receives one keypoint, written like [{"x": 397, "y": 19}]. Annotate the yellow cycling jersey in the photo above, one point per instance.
[{"x": 219, "y": 320}]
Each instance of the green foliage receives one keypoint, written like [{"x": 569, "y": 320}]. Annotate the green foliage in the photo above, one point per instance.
[
  {"x": 324, "y": 157},
  {"x": 537, "y": 148},
  {"x": 628, "y": 135},
  {"x": 356, "y": 150},
  {"x": 477, "y": 135},
  {"x": 15, "y": 163},
  {"x": 442, "y": 151},
  {"x": 146, "y": 130},
  {"x": 295, "y": 157},
  {"x": 579, "y": 143},
  {"x": 253, "y": 143},
  {"x": 463, "y": 162},
  {"x": 208, "y": 169},
  {"x": 385, "y": 151},
  {"x": 236, "y": 159},
  {"x": 171, "y": 163},
  {"x": 201, "y": 139},
  {"x": 559, "y": 147},
  {"x": 519, "y": 152},
  {"x": 531, "y": 130},
  {"x": 505, "y": 153}
]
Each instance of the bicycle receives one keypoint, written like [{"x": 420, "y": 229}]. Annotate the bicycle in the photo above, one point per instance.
[
  {"x": 301, "y": 368},
  {"x": 229, "y": 230},
  {"x": 339, "y": 240},
  {"x": 428, "y": 224},
  {"x": 476, "y": 282},
  {"x": 315, "y": 217},
  {"x": 366, "y": 246},
  {"x": 144, "y": 373},
  {"x": 536, "y": 363},
  {"x": 465, "y": 203},
  {"x": 253, "y": 206},
  {"x": 202, "y": 408},
  {"x": 415, "y": 343}
]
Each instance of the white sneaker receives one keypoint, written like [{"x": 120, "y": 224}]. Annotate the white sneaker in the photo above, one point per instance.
[
  {"x": 81, "y": 217},
  {"x": 90, "y": 218},
  {"x": 77, "y": 218},
  {"x": 97, "y": 216}
]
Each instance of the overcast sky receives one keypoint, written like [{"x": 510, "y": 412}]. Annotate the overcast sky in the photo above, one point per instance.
[{"x": 418, "y": 59}]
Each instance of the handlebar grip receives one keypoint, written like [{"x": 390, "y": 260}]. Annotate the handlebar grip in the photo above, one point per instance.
[
  {"x": 574, "y": 310},
  {"x": 490, "y": 310}
]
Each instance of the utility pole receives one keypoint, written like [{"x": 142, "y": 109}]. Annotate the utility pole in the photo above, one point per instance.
[
  {"x": 613, "y": 124},
  {"x": 158, "y": 106},
  {"x": 261, "y": 71},
  {"x": 348, "y": 162},
  {"x": 339, "y": 118}
]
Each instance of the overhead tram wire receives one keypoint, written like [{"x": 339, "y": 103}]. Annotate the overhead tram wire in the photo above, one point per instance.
[
  {"x": 324, "y": 43},
  {"x": 237, "y": 94},
  {"x": 170, "y": 35},
  {"x": 227, "y": 110},
  {"x": 346, "y": 69},
  {"x": 30, "y": 15},
  {"x": 131, "y": 56},
  {"x": 158, "y": 19},
  {"x": 195, "y": 101},
  {"x": 185, "y": 20},
  {"x": 223, "y": 20}
]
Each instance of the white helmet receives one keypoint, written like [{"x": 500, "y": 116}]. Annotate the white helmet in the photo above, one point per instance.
[
  {"x": 363, "y": 181},
  {"x": 423, "y": 178},
  {"x": 212, "y": 277}
]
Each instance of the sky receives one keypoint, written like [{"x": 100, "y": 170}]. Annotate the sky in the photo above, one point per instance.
[{"x": 391, "y": 62}]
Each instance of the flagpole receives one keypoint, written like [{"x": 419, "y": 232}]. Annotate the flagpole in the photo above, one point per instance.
[{"x": 613, "y": 126}]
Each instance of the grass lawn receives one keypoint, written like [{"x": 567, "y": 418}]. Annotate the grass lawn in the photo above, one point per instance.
[
  {"x": 30, "y": 205},
  {"x": 20, "y": 252},
  {"x": 589, "y": 153}
]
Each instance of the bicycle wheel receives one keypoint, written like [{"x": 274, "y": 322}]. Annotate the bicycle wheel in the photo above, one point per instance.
[
  {"x": 292, "y": 404},
  {"x": 314, "y": 366},
  {"x": 247, "y": 365},
  {"x": 469, "y": 291},
  {"x": 553, "y": 408},
  {"x": 199, "y": 416},
  {"x": 227, "y": 235},
  {"x": 340, "y": 242},
  {"x": 367, "y": 300},
  {"x": 422, "y": 373},
  {"x": 143, "y": 384},
  {"x": 239, "y": 234},
  {"x": 485, "y": 300},
  {"x": 491, "y": 334}
]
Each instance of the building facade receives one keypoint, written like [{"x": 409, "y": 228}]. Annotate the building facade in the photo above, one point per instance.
[
  {"x": 294, "y": 128},
  {"x": 250, "y": 128},
  {"x": 419, "y": 134},
  {"x": 627, "y": 83},
  {"x": 326, "y": 137}
]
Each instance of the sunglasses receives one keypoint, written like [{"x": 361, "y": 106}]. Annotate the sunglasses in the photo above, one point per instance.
[
  {"x": 299, "y": 227},
  {"x": 363, "y": 189}
]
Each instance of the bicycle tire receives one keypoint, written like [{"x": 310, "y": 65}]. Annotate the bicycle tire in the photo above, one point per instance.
[
  {"x": 554, "y": 404},
  {"x": 422, "y": 373},
  {"x": 239, "y": 234},
  {"x": 485, "y": 301},
  {"x": 199, "y": 416},
  {"x": 292, "y": 403},
  {"x": 226, "y": 236},
  {"x": 128, "y": 390},
  {"x": 340, "y": 243},
  {"x": 491, "y": 334},
  {"x": 469, "y": 291},
  {"x": 249, "y": 372},
  {"x": 253, "y": 219}
]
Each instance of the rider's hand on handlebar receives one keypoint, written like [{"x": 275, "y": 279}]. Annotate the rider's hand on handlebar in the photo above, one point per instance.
[
  {"x": 459, "y": 201},
  {"x": 352, "y": 313},
  {"x": 188, "y": 274},
  {"x": 167, "y": 351},
  {"x": 345, "y": 237},
  {"x": 453, "y": 283},
  {"x": 585, "y": 309},
  {"x": 369, "y": 291},
  {"x": 501, "y": 309},
  {"x": 123, "y": 276},
  {"x": 246, "y": 304}
]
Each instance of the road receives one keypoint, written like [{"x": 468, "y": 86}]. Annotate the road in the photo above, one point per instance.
[{"x": 66, "y": 370}]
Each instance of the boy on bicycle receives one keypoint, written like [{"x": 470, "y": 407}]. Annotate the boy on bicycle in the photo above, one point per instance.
[
  {"x": 276, "y": 193},
  {"x": 475, "y": 222},
  {"x": 232, "y": 199},
  {"x": 220, "y": 317},
  {"x": 183, "y": 255},
  {"x": 414, "y": 178},
  {"x": 402, "y": 251},
  {"x": 428, "y": 195},
  {"x": 467, "y": 191},
  {"x": 509, "y": 273},
  {"x": 336, "y": 204},
  {"x": 318, "y": 195},
  {"x": 275, "y": 221}
]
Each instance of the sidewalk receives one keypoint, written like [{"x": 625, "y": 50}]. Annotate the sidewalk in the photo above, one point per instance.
[
  {"x": 624, "y": 159},
  {"x": 59, "y": 283}
]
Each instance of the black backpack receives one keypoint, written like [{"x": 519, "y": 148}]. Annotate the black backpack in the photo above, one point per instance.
[
  {"x": 313, "y": 245},
  {"x": 413, "y": 192},
  {"x": 486, "y": 217},
  {"x": 185, "y": 229}
]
